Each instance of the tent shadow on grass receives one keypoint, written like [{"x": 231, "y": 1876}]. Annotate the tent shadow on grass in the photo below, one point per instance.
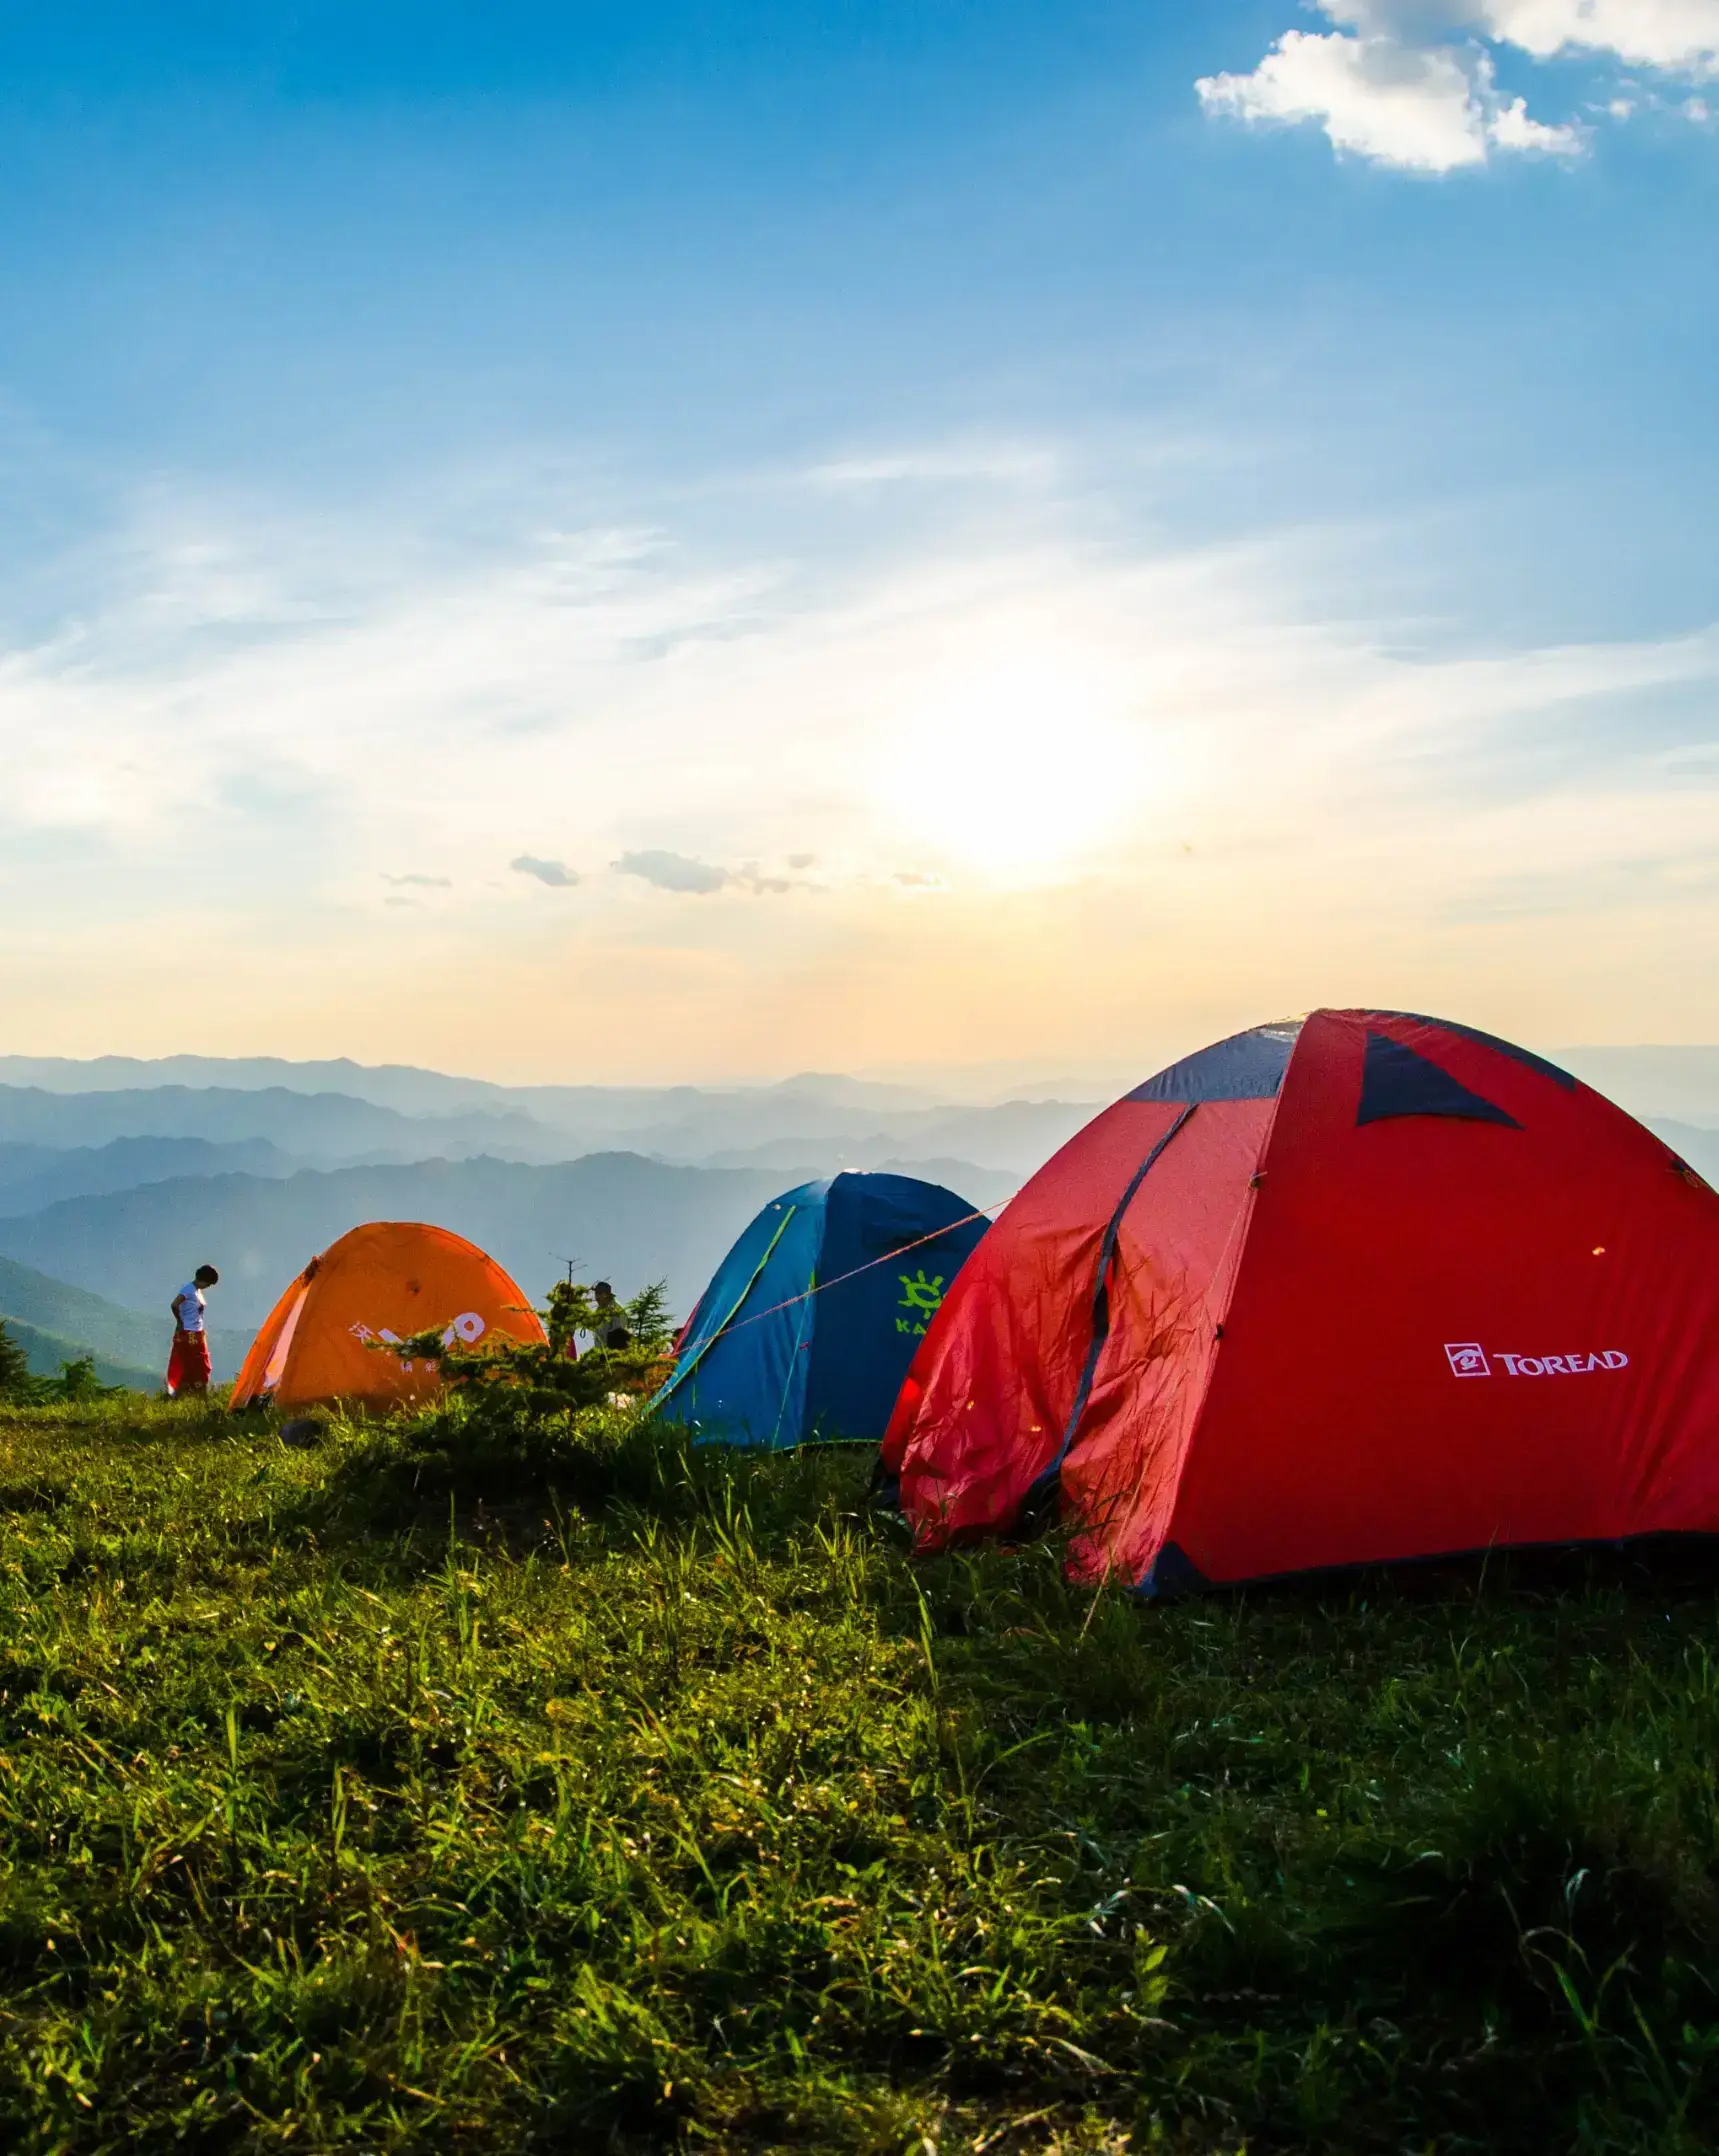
[{"x": 405, "y": 1481}]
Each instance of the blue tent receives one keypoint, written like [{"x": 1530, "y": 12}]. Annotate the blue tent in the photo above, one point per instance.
[{"x": 812, "y": 1319}]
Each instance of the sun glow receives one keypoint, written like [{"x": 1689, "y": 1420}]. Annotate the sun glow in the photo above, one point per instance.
[{"x": 1017, "y": 769}]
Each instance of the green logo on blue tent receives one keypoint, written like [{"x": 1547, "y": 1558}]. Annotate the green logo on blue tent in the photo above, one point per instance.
[{"x": 922, "y": 1298}]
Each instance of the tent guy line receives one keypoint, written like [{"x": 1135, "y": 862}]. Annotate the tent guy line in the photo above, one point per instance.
[
  {"x": 828, "y": 1364},
  {"x": 981, "y": 1212}
]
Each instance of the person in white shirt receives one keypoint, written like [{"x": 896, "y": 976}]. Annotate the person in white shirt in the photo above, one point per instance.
[
  {"x": 610, "y": 1330},
  {"x": 188, "y": 1365}
]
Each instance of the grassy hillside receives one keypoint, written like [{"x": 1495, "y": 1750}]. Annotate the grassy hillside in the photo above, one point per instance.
[
  {"x": 116, "y": 1337},
  {"x": 390, "y": 1796},
  {"x": 48, "y": 1353}
]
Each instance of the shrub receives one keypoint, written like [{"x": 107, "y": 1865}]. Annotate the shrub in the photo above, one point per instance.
[
  {"x": 16, "y": 1382},
  {"x": 512, "y": 1381}
]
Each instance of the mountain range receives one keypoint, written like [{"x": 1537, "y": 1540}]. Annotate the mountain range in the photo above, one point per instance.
[
  {"x": 323, "y": 1129},
  {"x": 118, "y": 1176},
  {"x": 799, "y": 1127},
  {"x": 34, "y": 1176},
  {"x": 618, "y": 1214}
]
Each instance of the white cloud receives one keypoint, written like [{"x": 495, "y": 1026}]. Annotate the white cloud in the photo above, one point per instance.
[
  {"x": 1510, "y": 128},
  {"x": 1680, "y": 36},
  {"x": 1411, "y": 22},
  {"x": 1422, "y": 108},
  {"x": 1373, "y": 96},
  {"x": 1411, "y": 83}
]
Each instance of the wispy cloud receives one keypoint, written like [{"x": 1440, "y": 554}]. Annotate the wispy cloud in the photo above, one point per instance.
[
  {"x": 556, "y": 874},
  {"x": 679, "y": 872},
  {"x": 702, "y": 878},
  {"x": 673, "y": 871},
  {"x": 1039, "y": 728},
  {"x": 999, "y": 463}
]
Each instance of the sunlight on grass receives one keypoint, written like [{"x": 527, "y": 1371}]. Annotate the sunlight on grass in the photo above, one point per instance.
[{"x": 412, "y": 1789}]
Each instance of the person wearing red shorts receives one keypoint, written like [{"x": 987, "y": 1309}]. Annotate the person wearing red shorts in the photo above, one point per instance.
[{"x": 188, "y": 1365}]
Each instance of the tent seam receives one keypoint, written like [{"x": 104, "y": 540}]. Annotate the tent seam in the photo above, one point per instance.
[
  {"x": 794, "y": 1363},
  {"x": 1106, "y": 1256},
  {"x": 680, "y": 1376}
]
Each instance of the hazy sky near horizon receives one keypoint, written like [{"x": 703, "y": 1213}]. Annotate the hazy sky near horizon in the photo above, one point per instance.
[{"x": 690, "y": 541}]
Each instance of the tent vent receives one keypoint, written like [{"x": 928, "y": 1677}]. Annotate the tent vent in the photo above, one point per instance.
[{"x": 1397, "y": 1080}]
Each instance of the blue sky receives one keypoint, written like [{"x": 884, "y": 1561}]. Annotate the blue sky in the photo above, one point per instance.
[{"x": 940, "y": 534}]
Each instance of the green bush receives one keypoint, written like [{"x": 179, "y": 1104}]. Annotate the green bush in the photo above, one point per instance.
[
  {"x": 515, "y": 1384},
  {"x": 76, "y": 1379},
  {"x": 16, "y": 1382}
]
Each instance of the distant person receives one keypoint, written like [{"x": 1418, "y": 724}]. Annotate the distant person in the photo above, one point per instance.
[
  {"x": 609, "y": 1331},
  {"x": 188, "y": 1365}
]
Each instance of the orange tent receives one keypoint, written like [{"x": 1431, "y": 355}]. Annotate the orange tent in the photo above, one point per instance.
[{"x": 327, "y": 1338}]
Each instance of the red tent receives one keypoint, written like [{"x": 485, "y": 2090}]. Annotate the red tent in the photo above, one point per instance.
[{"x": 1358, "y": 1287}]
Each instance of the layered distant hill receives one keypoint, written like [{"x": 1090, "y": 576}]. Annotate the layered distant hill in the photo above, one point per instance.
[
  {"x": 118, "y": 1176},
  {"x": 314, "y": 1128},
  {"x": 696, "y": 1122},
  {"x": 632, "y": 1219},
  {"x": 1679, "y": 1083},
  {"x": 414, "y": 1092},
  {"x": 34, "y": 1176},
  {"x": 330, "y": 1113}
]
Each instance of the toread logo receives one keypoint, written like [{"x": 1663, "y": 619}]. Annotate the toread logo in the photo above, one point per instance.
[{"x": 1467, "y": 1358}]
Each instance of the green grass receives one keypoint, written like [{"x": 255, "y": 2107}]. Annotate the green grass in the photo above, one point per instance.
[{"x": 409, "y": 1791}]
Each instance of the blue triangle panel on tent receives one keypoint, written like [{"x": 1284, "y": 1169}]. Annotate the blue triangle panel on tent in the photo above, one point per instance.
[
  {"x": 1491, "y": 1040},
  {"x": 1398, "y": 1080},
  {"x": 1248, "y": 1066}
]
